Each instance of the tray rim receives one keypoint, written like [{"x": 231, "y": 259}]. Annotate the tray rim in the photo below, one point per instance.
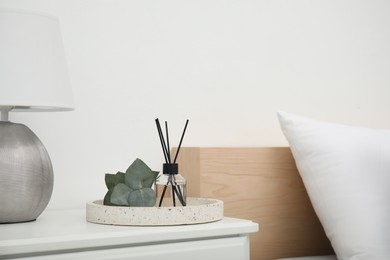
[{"x": 209, "y": 211}]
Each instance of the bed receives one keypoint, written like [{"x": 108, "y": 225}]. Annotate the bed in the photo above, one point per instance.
[
  {"x": 261, "y": 184},
  {"x": 325, "y": 195}
]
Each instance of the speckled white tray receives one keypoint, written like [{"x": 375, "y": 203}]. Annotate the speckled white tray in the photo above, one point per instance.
[{"x": 198, "y": 210}]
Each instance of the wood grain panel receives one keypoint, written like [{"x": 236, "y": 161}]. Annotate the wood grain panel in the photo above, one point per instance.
[{"x": 261, "y": 184}]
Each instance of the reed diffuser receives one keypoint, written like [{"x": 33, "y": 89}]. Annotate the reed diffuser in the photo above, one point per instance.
[{"x": 171, "y": 181}]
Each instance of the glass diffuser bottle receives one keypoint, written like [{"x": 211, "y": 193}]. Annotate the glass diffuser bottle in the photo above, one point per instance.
[{"x": 170, "y": 182}]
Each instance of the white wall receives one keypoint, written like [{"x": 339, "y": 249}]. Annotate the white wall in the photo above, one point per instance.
[{"x": 228, "y": 66}]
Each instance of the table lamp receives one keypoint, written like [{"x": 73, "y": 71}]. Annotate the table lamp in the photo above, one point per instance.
[{"x": 33, "y": 77}]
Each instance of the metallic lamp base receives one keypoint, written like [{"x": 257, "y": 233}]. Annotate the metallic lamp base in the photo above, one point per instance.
[{"x": 26, "y": 174}]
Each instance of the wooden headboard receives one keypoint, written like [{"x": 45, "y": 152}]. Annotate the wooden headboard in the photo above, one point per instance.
[{"x": 263, "y": 185}]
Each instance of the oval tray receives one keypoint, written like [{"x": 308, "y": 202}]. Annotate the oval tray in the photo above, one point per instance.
[{"x": 198, "y": 210}]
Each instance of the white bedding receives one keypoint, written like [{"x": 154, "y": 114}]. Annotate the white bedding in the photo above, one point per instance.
[{"x": 345, "y": 170}]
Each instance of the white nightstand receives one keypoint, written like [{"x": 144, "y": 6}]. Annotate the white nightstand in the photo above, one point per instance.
[{"x": 65, "y": 234}]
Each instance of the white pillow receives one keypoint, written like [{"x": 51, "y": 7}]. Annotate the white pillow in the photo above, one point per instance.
[{"x": 346, "y": 172}]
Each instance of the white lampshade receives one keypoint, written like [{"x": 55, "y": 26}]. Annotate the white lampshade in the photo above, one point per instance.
[{"x": 33, "y": 70}]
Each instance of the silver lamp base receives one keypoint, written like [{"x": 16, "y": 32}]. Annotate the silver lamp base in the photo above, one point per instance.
[{"x": 26, "y": 174}]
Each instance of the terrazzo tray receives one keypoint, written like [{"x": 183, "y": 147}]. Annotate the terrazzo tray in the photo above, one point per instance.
[{"x": 198, "y": 210}]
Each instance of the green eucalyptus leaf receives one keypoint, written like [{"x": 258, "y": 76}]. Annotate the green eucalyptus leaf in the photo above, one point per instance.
[
  {"x": 139, "y": 175},
  {"x": 132, "y": 188},
  {"x": 107, "y": 198},
  {"x": 120, "y": 194},
  {"x": 113, "y": 179},
  {"x": 121, "y": 177},
  {"x": 149, "y": 179},
  {"x": 142, "y": 198}
]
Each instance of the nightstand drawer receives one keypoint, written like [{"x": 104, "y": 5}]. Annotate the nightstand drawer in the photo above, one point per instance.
[{"x": 231, "y": 248}]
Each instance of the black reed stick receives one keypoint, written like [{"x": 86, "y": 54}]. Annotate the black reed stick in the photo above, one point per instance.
[
  {"x": 179, "y": 195},
  {"x": 163, "y": 193},
  {"x": 181, "y": 140},
  {"x": 168, "y": 149},
  {"x": 164, "y": 148},
  {"x": 173, "y": 187}
]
